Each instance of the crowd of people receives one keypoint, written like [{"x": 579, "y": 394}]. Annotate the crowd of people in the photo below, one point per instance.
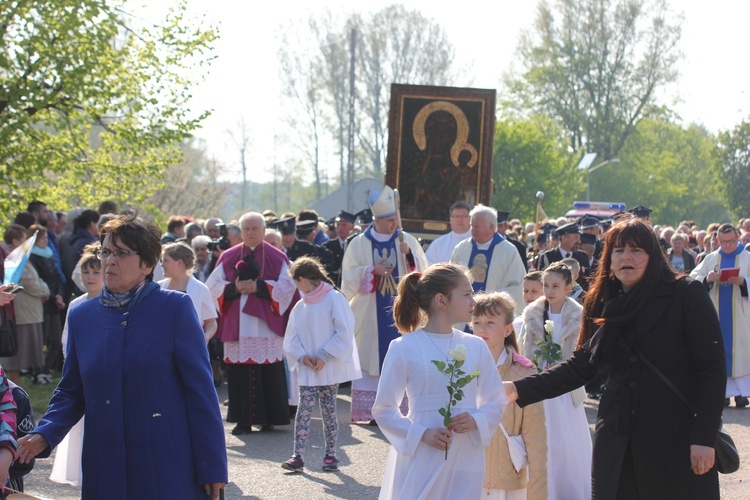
[{"x": 284, "y": 308}]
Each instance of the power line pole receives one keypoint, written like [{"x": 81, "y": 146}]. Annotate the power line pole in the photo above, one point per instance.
[
  {"x": 275, "y": 177},
  {"x": 350, "y": 164}
]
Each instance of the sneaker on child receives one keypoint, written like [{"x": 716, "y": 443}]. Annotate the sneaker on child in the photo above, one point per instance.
[
  {"x": 294, "y": 464},
  {"x": 330, "y": 464}
]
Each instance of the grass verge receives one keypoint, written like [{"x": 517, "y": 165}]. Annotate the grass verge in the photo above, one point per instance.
[{"x": 39, "y": 394}]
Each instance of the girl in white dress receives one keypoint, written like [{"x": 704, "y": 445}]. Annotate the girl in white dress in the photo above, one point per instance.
[
  {"x": 319, "y": 345},
  {"x": 568, "y": 435},
  {"x": 417, "y": 466},
  {"x": 178, "y": 260},
  {"x": 66, "y": 468}
]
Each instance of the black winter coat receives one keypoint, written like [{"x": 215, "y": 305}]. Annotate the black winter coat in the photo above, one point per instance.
[
  {"x": 640, "y": 418},
  {"x": 47, "y": 270}
]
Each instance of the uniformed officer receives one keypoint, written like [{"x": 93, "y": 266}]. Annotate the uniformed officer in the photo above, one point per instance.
[
  {"x": 570, "y": 238},
  {"x": 592, "y": 225},
  {"x": 304, "y": 245},
  {"x": 502, "y": 227},
  {"x": 344, "y": 223},
  {"x": 641, "y": 212}
]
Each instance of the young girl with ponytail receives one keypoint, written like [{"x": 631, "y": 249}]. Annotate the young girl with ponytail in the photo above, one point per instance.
[
  {"x": 426, "y": 308},
  {"x": 319, "y": 345},
  {"x": 568, "y": 435}
]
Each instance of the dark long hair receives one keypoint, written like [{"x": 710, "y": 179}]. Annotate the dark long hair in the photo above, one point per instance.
[
  {"x": 310, "y": 268},
  {"x": 634, "y": 232}
]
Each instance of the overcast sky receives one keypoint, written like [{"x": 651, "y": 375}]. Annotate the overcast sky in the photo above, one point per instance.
[{"x": 713, "y": 88}]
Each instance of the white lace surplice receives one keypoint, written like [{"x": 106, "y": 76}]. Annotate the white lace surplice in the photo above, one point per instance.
[
  {"x": 414, "y": 469},
  {"x": 257, "y": 343}
]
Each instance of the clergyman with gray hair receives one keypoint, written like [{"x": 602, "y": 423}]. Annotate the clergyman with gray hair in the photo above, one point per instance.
[
  {"x": 494, "y": 263},
  {"x": 256, "y": 293}
]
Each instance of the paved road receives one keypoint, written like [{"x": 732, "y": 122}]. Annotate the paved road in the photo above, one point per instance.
[{"x": 255, "y": 472}]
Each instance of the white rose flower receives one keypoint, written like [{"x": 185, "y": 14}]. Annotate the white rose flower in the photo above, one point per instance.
[
  {"x": 459, "y": 353},
  {"x": 549, "y": 326}
]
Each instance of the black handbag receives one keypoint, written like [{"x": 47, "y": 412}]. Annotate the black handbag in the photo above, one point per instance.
[
  {"x": 8, "y": 336},
  {"x": 727, "y": 456}
]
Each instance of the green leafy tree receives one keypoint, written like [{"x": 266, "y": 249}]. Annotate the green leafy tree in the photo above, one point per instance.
[
  {"x": 529, "y": 157},
  {"x": 596, "y": 66},
  {"x": 734, "y": 167},
  {"x": 670, "y": 169},
  {"x": 93, "y": 102}
]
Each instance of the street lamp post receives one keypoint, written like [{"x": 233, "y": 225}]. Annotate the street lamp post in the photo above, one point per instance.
[{"x": 596, "y": 167}]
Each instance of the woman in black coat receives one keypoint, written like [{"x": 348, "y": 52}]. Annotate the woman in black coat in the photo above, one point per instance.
[{"x": 647, "y": 443}]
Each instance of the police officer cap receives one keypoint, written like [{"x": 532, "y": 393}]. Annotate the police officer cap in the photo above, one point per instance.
[
  {"x": 364, "y": 216},
  {"x": 641, "y": 211},
  {"x": 588, "y": 239},
  {"x": 345, "y": 216},
  {"x": 548, "y": 228},
  {"x": 305, "y": 227},
  {"x": 571, "y": 228},
  {"x": 284, "y": 226},
  {"x": 542, "y": 238},
  {"x": 502, "y": 216},
  {"x": 589, "y": 221}
]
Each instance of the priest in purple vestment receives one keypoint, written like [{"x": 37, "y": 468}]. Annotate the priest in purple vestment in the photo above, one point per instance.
[{"x": 256, "y": 294}]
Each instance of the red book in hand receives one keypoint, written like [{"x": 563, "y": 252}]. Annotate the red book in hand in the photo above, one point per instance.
[{"x": 729, "y": 272}]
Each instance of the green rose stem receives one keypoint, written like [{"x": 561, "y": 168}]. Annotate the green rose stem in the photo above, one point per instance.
[
  {"x": 548, "y": 351},
  {"x": 457, "y": 380}
]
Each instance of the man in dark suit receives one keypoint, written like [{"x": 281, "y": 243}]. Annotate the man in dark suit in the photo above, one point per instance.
[
  {"x": 570, "y": 238},
  {"x": 290, "y": 229},
  {"x": 294, "y": 240},
  {"x": 362, "y": 221},
  {"x": 588, "y": 246},
  {"x": 304, "y": 246},
  {"x": 502, "y": 228},
  {"x": 592, "y": 225},
  {"x": 344, "y": 223}
]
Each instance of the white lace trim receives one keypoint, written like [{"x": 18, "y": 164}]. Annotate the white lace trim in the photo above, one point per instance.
[
  {"x": 216, "y": 282},
  {"x": 366, "y": 285},
  {"x": 283, "y": 289},
  {"x": 254, "y": 350}
]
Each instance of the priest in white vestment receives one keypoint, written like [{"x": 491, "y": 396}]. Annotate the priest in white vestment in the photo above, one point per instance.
[
  {"x": 442, "y": 248},
  {"x": 373, "y": 263},
  {"x": 494, "y": 263},
  {"x": 726, "y": 273}
]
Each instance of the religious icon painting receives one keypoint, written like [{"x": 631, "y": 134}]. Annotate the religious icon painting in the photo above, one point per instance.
[
  {"x": 479, "y": 269},
  {"x": 439, "y": 151}
]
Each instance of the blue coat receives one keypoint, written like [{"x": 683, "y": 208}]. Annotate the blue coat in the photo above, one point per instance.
[{"x": 153, "y": 427}]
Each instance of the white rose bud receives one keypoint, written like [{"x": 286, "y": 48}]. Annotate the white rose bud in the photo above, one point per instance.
[
  {"x": 549, "y": 326},
  {"x": 459, "y": 353}
]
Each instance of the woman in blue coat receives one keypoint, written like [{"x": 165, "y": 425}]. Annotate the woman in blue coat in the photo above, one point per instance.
[{"x": 138, "y": 368}]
